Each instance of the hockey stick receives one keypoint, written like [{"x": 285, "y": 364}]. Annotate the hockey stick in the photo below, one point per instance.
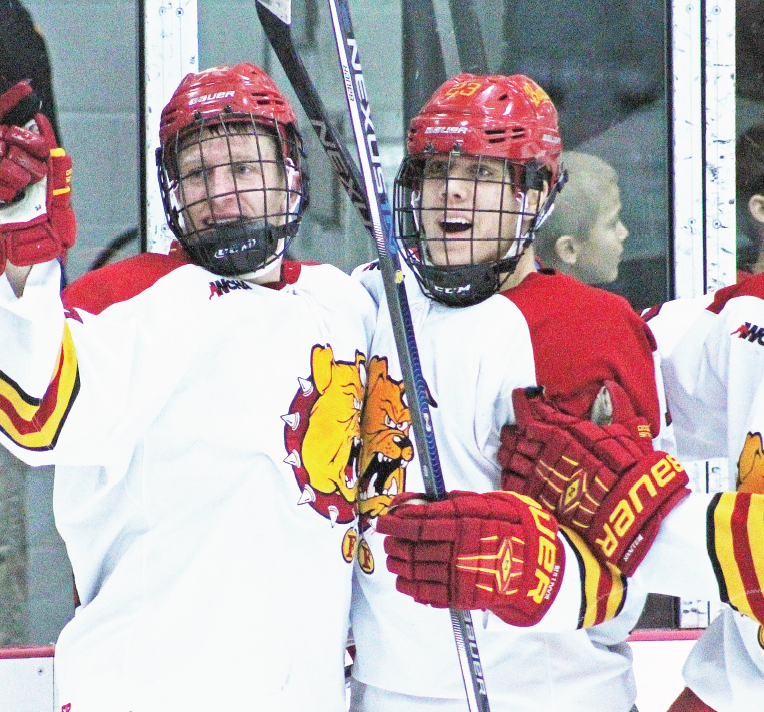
[
  {"x": 469, "y": 40},
  {"x": 275, "y": 15},
  {"x": 403, "y": 327}
]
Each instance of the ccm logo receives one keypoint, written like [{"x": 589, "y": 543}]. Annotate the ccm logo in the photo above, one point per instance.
[{"x": 625, "y": 513}]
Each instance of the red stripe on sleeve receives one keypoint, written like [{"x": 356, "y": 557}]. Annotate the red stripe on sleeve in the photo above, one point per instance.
[{"x": 741, "y": 547}]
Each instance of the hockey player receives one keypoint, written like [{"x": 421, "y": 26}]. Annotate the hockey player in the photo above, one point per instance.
[
  {"x": 479, "y": 177},
  {"x": 714, "y": 368},
  {"x": 202, "y": 409}
]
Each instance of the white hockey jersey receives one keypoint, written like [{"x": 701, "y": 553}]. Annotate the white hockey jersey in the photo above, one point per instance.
[
  {"x": 713, "y": 364},
  {"x": 552, "y": 330},
  {"x": 205, "y": 433}
]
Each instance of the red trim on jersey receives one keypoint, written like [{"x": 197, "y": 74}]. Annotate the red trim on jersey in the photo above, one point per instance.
[
  {"x": 688, "y": 701},
  {"x": 46, "y": 405},
  {"x": 741, "y": 546},
  {"x": 665, "y": 634},
  {"x": 290, "y": 273},
  {"x": 583, "y": 336},
  {"x": 651, "y": 312},
  {"x": 751, "y": 287},
  {"x": 97, "y": 290},
  {"x": 38, "y": 427}
]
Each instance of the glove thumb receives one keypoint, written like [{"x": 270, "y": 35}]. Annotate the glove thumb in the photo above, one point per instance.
[
  {"x": 18, "y": 104},
  {"x": 521, "y": 401}
]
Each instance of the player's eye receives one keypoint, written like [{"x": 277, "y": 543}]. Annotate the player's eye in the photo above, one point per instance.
[
  {"x": 246, "y": 169},
  {"x": 484, "y": 171},
  {"x": 194, "y": 175},
  {"x": 436, "y": 169}
]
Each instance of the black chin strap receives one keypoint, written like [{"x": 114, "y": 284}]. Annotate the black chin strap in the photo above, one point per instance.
[{"x": 240, "y": 247}]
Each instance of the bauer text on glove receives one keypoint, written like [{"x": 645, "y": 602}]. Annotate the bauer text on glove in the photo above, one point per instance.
[{"x": 498, "y": 551}]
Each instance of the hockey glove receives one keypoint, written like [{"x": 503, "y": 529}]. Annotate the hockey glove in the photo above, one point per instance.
[
  {"x": 604, "y": 481},
  {"x": 36, "y": 219},
  {"x": 497, "y": 551}
]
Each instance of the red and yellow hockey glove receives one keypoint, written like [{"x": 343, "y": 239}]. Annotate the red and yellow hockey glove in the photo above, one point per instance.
[
  {"x": 604, "y": 481},
  {"x": 36, "y": 218},
  {"x": 497, "y": 551}
]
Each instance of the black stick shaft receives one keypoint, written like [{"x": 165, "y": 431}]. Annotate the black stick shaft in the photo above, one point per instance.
[
  {"x": 381, "y": 216},
  {"x": 469, "y": 40}
]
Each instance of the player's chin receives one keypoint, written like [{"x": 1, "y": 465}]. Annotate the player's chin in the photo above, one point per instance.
[{"x": 453, "y": 258}]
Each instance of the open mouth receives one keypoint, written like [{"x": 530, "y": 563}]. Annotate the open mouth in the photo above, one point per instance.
[
  {"x": 453, "y": 226},
  {"x": 351, "y": 469},
  {"x": 377, "y": 474}
]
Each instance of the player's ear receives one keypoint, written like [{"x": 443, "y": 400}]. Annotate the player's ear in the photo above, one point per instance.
[
  {"x": 756, "y": 208},
  {"x": 566, "y": 249}
]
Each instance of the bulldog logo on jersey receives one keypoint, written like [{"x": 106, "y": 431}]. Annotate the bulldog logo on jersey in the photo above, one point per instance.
[
  {"x": 750, "y": 466},
  {"x": 322, "y": 434},
  {"x": 386, "y": 448}
]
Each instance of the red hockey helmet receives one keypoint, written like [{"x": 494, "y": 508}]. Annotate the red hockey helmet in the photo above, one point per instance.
[
  {"x": 508, "y": 117},
  {"x": 478, "y": 118},
  {"x": 217, "y": 93},
  {"x": 218, "y": 104}
]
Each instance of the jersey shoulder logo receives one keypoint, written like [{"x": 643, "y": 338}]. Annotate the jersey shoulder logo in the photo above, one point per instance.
[
  {"x": 222, "y": 286},
  {"x": 751, "y": 332}
]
